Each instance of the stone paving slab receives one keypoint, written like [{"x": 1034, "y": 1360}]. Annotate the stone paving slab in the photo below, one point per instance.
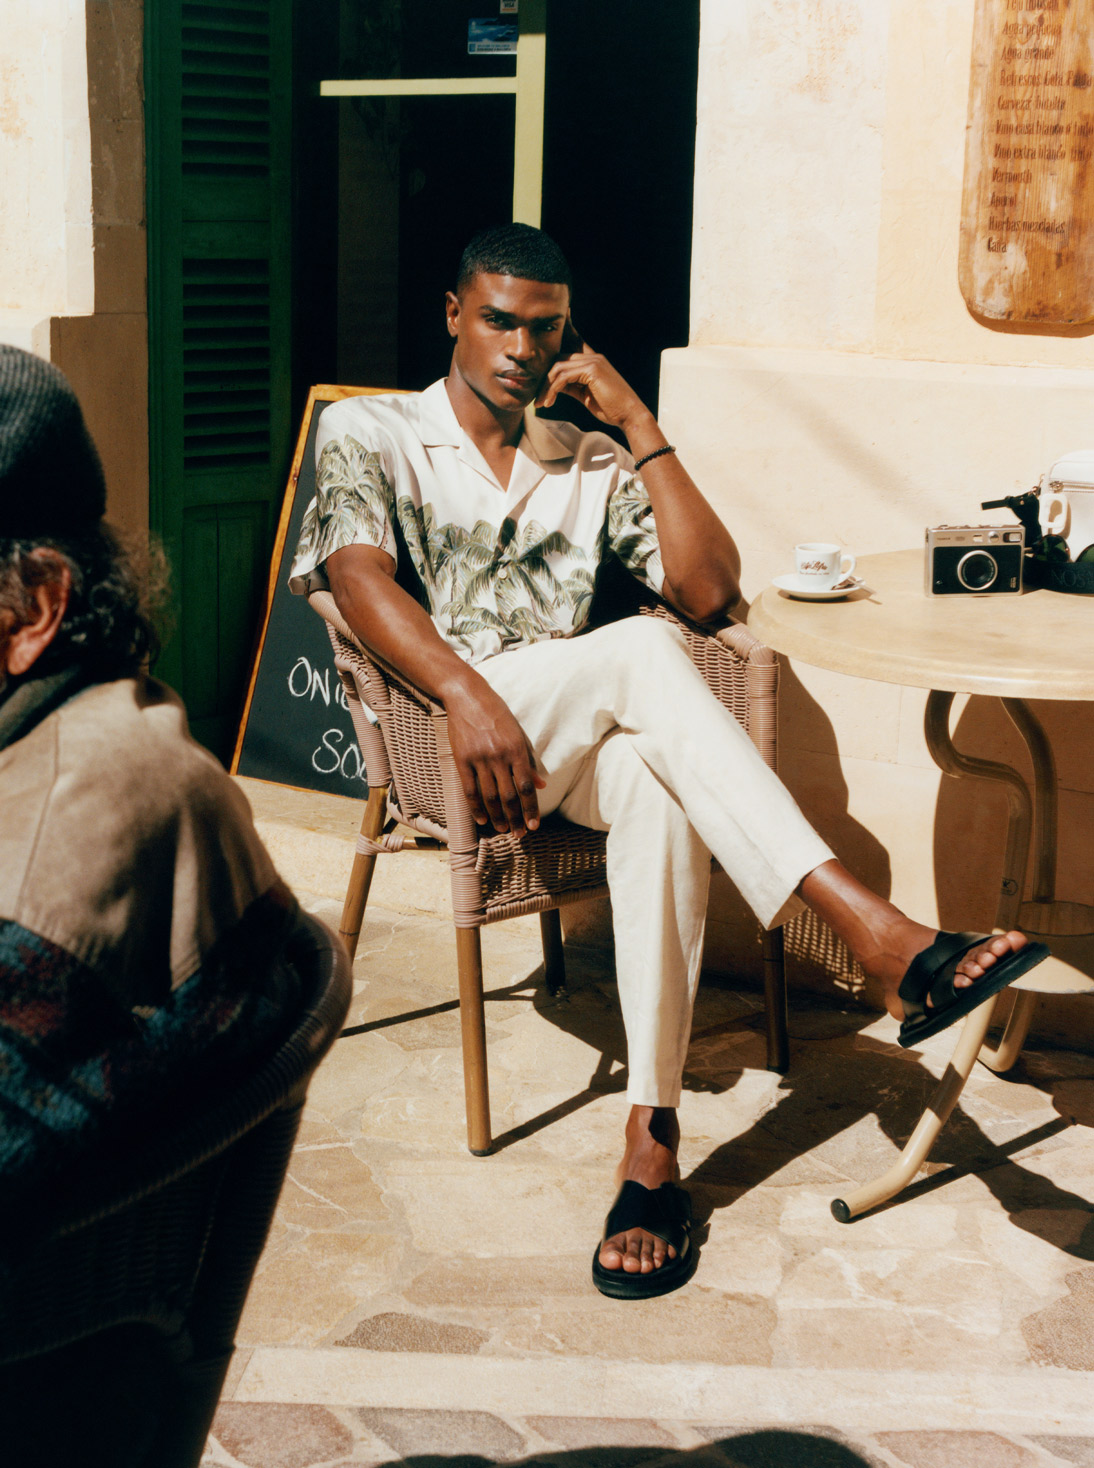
[
  {"x": 265, "y": 1435},
  {"x": 418, "y": 1305}
]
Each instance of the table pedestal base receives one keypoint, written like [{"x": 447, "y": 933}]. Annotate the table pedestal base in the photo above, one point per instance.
[{"x": 1032, "y": 824}]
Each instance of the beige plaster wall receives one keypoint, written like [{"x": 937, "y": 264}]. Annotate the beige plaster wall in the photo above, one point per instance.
[
  {"x": 45, "y": 162},
  {"x": 837, "y": 387},
  {"x": 72, "y": 238}
]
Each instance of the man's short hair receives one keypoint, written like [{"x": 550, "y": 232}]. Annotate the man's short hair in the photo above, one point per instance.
[{"x": 514, "y": 249}]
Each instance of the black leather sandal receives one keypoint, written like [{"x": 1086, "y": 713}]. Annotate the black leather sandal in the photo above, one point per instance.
[
  {"x": 664, "y": 1212},
  {"x": 931, "y": 975}
]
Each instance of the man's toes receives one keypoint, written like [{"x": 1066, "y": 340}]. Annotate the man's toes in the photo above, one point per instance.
[
  {"x": 611, "y": 1254},
  {"x": 633, "y": 1261},
  {"x": 635, "y": 1253},
  {"x": 662, "y": 1252},
  {"x": 977, "y": 963}
]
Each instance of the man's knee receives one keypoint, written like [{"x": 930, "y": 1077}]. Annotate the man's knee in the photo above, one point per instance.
[{"x": 650, "y": 641}]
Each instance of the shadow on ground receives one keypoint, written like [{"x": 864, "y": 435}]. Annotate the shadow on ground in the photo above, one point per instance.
[
  {"x": 770, "y": 1448},
  {"x": 838, "y": 1076}
]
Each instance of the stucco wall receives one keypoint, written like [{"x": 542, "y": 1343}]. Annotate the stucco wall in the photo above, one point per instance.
[
  {"x": 72, "y": 243},
  {"x": 837, "y": 387},
  {"x": 45, "y": 152}
]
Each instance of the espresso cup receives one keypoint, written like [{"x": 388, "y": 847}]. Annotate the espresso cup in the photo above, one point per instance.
[{"x": 820, "y": 564}]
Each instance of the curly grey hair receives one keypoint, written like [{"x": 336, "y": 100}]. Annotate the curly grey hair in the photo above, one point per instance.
[{"x": 106, "y": 626}]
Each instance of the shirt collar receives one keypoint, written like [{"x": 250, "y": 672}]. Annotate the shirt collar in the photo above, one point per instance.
[
  {"x": 539, "y": 436},
  {"x": 439, "y": 425}
]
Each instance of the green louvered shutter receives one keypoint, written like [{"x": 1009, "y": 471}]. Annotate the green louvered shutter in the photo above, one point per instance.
[{"x": 218, "y": 114}]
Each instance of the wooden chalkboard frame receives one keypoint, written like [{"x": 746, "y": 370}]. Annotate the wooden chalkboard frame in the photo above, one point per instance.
[{"x": 319, "y": 397}]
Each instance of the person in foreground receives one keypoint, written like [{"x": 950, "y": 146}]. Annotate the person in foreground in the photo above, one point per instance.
[
  {"x": 141, "y": 921},
  {"x": 506, "y": 518}
]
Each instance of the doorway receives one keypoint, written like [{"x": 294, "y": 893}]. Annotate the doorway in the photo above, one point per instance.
[{"x": 417, "y": 176}]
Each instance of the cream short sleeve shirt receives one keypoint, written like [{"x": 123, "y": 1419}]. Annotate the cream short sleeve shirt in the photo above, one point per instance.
[{"x": 500, "y": 566}]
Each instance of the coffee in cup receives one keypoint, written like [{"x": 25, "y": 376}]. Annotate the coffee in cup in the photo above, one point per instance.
[{"x": 821, "y": 564}]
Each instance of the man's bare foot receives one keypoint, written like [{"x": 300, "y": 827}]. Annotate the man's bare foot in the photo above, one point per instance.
[
  {"x": 653, "y": 1139},
  {"x": 974, "y": 965},
  {"x": 882, "y": 939}
]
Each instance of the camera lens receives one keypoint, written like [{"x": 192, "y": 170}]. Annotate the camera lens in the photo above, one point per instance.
[{"x": 977, "y": 570}]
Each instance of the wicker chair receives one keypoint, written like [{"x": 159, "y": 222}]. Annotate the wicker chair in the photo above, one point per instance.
[
  {"x": 117, "y": 1327},
  {"x": 412, "y": 780}
]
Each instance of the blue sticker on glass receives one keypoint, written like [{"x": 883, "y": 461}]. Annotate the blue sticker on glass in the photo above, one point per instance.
[{"x": 492, "y": 37}]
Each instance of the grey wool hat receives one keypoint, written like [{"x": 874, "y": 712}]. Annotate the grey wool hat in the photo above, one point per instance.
[{"x": 51, "y": 480}]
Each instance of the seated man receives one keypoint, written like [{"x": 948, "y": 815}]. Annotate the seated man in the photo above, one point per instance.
[
  {"x": 140, "y": 918},
  {"x": 506, "y": 518}
]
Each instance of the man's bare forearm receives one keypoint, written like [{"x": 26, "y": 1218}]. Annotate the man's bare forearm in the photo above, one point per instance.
[
  {"x": 494, "y": 760},
  {"x": 391, "y": 623},
  {"x": 700, "y": 559}
]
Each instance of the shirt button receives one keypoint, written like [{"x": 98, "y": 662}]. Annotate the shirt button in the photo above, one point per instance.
[{"x": 503, "y": 573}]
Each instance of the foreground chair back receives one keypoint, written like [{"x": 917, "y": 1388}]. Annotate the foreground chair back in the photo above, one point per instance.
[
  {"x": 118, "y": 1324},
  {"x": 413, "y": 781}
]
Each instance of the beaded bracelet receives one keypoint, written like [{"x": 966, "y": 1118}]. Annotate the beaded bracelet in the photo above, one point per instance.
[{"x": 669, "y": 448}]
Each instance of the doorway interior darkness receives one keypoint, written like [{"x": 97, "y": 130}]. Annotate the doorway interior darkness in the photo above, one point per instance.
[{"x": 416, "y": 177}]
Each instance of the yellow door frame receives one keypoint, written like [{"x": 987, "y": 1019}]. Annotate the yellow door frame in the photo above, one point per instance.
[{"x": 528, "y": 88}]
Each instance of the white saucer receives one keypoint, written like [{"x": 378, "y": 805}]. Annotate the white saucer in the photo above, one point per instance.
[{"x": 804, "y": 590}]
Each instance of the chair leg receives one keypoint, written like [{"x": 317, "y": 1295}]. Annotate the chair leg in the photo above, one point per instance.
[
  {"x": 1002, "y": 1056},
  {"x": 554, "y": 961},
  {"x": 930, "y": 1123},
  {"x": 476, "y": 1085},
  {"x": 778, "y": 1044},
  {"x": 360, "y": 878}
]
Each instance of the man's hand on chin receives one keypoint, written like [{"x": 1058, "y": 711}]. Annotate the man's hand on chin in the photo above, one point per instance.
[{"x": 591, "y": 379}]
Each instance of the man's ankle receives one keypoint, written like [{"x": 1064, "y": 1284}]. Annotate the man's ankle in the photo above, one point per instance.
[{"x": 656, "y": 1123}]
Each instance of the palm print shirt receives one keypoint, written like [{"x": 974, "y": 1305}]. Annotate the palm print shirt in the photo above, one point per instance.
[{"x": 500, "y": 567}]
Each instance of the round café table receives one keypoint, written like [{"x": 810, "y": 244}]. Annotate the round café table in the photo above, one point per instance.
[{"x": 1037, "y": 645}]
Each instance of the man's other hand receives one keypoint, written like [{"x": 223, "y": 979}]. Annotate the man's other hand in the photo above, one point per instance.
[{"x": 494, "y": 759}]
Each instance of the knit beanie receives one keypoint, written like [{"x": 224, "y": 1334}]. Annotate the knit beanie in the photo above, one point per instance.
[{"x": 51, "y": 480}]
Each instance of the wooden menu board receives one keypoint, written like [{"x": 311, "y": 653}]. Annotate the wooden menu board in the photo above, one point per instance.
[{"x": 1027, "y": 216}]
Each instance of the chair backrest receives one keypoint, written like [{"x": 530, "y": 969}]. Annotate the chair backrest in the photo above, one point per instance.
[{"x": 118, "y": 1321}]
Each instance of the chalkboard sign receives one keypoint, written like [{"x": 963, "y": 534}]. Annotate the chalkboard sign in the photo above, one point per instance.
[{"x": 296, "y": 728}]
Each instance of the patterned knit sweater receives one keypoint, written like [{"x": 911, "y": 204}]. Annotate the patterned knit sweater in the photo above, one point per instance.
[{"x": 141, "y": 923}]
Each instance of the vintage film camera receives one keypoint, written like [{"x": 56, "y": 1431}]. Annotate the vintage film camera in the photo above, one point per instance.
[{"x": 974, "y": 560}]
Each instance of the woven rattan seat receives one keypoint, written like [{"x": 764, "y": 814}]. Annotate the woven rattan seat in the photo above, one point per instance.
[
  {"x": 412, "y": 779},
  {"x": 120, "y": 1294}
]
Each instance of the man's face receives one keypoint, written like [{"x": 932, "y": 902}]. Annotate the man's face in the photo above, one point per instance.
[{"x": 508, "y": 333}]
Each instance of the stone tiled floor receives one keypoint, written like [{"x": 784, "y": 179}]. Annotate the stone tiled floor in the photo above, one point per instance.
[{"x": 418, "y": 1305}]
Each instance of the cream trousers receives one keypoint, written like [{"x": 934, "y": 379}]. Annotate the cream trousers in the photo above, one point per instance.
[{"x": 631, "y": 741}]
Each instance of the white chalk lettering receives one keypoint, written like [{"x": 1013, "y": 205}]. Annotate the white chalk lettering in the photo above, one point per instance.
[
  {"x": 306, "y": 681},
  {"x": 330, "y": 756}
]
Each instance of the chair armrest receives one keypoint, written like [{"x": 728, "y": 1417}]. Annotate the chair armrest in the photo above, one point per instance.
[
  {"x": 740, "y": 670},
  {"x": 323, "y": 603}
]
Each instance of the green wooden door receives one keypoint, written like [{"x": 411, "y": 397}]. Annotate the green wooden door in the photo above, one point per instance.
[{"x": 218, "y": 118}]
